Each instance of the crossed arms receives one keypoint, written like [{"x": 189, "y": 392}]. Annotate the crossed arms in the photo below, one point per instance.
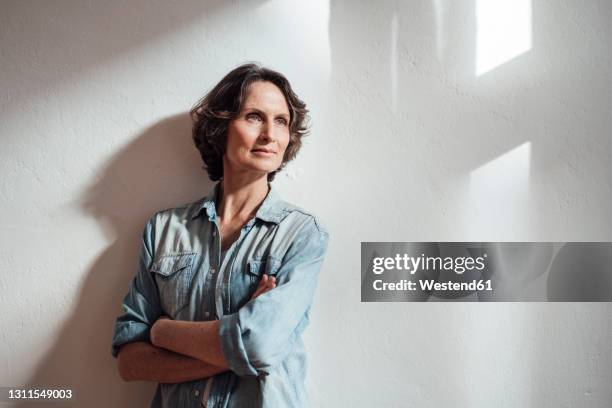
[
  {"x": 179, "y": 351},
  {"x": 249, "y": 342}
]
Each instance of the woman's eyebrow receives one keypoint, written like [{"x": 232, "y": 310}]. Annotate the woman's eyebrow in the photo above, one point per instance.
[
  {"x": 283, "y": 116},
  {"x": 253, "y": 109},
  {"x": 250, "y": 109}
]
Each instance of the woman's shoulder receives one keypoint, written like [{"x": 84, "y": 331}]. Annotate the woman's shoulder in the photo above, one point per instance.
[
  {"x": 298, "y": 217},
  {"x": 182, "y": 212}
]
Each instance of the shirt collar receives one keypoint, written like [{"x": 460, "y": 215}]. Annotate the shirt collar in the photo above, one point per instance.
[{"x": 271, "y": 210}]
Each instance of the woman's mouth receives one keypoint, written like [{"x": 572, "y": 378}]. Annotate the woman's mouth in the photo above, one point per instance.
[{"x": 263, "y": 152}]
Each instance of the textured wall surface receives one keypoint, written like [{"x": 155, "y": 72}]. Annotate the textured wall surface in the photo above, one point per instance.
[{"x": 431, "y": 121}]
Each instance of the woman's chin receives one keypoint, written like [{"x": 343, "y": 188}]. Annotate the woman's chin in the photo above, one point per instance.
[
  {"x": 265, "y": 167},
  {"x": 261, "y": 170}
]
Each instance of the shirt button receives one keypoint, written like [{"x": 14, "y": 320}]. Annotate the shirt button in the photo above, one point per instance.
[
  {"x": 196, "y": 392},
  {"x": 206, "y": 314},
  {"x": 214, "y": 233},
  {"x": 212, "y": 270}
]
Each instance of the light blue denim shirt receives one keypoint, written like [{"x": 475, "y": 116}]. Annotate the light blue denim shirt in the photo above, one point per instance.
[{"x": 180, "y": 274}]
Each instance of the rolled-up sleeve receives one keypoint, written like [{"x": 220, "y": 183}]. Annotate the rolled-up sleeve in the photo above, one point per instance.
[
  {"x": 261, "y": 334},
  {"x": 141, "y": 305}
]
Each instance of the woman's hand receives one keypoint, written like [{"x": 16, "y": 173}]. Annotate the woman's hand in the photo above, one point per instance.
[{"x": 265, "y": 284}]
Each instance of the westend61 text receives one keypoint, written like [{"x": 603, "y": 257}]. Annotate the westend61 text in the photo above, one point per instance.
[{"x": 432, "y": 285}]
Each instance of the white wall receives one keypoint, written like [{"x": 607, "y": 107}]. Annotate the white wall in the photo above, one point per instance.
[{"x": 421, "y": 111}]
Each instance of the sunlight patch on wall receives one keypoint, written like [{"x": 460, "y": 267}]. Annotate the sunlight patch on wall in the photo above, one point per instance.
[
  {"x": 499, "y": 196},
  {"x": 503, "y": 32}
]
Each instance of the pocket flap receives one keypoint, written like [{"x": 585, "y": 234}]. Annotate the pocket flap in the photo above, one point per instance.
[
  {"x": 170, "y": 264},
  {"x": 267, "y": 265}
]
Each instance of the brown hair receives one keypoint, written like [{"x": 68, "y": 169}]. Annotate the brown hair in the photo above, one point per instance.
[{"x": 212, "y": 114}]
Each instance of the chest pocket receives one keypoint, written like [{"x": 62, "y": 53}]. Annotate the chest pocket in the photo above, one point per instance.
[
  {"x": 173, "y": 274},
  {"x": 245, "y": 282}
]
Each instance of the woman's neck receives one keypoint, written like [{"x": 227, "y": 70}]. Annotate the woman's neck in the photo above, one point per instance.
[{"x": 240, "y": 199}]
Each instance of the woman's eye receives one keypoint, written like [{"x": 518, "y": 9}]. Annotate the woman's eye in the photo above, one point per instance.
[
  {"x": 281, "y": 121},
  {"x": 253, "y": 116}
]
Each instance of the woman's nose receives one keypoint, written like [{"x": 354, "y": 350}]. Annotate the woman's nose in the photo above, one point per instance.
[{"x": 267, "y": 132}]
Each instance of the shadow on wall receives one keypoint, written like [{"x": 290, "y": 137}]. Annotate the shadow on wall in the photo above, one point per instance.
[
  {"x": 70, "y": 37},
  {"x": 160, "y": 169}
]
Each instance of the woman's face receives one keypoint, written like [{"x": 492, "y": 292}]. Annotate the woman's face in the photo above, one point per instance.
[{"x": 258, "y": 137}]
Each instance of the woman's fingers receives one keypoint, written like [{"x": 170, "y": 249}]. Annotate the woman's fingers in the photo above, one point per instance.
[
  {"x": 265, "y": 284},
  {"x": 271, "y": 284},
  {"x": 262, "y": 284}
]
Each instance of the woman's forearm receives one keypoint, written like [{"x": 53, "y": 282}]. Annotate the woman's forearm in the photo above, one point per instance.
[
  {"x": 142, "y": 361},
  {"x": 199, "y": 340}
]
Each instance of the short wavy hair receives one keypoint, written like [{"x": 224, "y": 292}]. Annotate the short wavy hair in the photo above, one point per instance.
[{"x": 212, "y": 114}]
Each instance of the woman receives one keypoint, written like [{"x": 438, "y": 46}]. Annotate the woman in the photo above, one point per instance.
[{"x": 224, "y": 286}]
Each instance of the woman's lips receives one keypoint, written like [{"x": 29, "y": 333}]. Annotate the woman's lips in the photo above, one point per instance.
[{"x": 265, "y": 153}]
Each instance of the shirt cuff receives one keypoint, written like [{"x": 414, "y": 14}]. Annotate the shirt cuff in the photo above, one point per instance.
[
  {"x": 232, "y": 346},
  {"x": 128, "y": 332}
]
